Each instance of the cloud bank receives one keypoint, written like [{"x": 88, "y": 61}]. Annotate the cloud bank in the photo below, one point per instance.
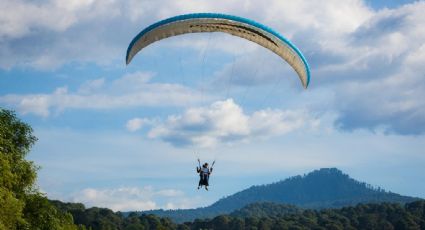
[
  {"x": 370, "y": 60},
  {"x": 134, "y": 198},
  {"x": 225, "y": 122},
  {"x": 131, "y": 90}
]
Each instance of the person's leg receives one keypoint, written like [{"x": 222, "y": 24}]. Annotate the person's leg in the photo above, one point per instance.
[
  {"x": 207, "y": 177},
  {"x": 203, "y": 180}
]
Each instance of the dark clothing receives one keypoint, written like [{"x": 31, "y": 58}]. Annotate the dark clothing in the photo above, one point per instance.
[
  {"x": 203, "y": 179},
  {"x": 204, "y": 175}
]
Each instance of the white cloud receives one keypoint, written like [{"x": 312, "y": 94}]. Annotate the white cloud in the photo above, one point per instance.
[
  {"x": 135, "y": 124},
  {"x": 276, "y": 122},
  {"x": 132, "y": 90},
  {"x": 133, "y": 198},
  {"x": 393, "y": 104},
  {"x": 370, "y": 61},
  {"x": 382, "y": 81},
  {"x": 379, "y": 43},
  {"x": 20, "y": 18},
  {"x": 38, "y": 104},
  {"x": 225, "y": 122},
  {"x": 48, "y": 34},
  {"x": 91, "y": 86},
  {"x": 344, "y": 41}
]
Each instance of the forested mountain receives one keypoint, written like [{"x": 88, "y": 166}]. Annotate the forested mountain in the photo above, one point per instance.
[
  {"x": 324, "y": 188},
  {"x": 270, "y": 216}
]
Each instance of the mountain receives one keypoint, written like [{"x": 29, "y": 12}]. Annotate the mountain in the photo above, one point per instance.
[{"x": 324, "y": 188}]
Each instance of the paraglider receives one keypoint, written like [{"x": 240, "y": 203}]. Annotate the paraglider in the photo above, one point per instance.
[
  {"x": 234, "y": 25},
  {"x": 204, "y": 174}
]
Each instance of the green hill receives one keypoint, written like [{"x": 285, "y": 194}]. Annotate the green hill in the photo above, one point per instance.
[{"x": 324, "y": 188}]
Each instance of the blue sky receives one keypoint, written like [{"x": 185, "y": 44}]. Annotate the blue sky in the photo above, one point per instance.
[{"x": 127, "y": 137}]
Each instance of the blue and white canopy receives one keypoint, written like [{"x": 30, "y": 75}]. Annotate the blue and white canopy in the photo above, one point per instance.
[{"x": 237, "y": 26}]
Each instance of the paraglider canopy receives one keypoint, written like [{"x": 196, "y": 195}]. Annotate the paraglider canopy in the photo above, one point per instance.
[{"x": 237, "y": 26}]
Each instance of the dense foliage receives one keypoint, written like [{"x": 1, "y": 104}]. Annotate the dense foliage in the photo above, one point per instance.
[
  {"x": 21, "y": 205},
  {"x": 270, "y": 216},
  {"x": 363, "y": 216},
  {"x": 265, "y": 209},
  {"x": 103, "y": 218},
  {"x": 324, "y": 188}
]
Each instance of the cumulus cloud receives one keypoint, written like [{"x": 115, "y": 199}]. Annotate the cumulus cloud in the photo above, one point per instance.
[
  {"x": 371, "y": 62},
  {"x": 48, "y": 34},
  {"x": 225, "y": 122},
  {"x": 131, "y": 90},
  {"x": 135, "y": 124},
  {"x": 134, "y": 198},
  {"x": 354, "y": 51},
  {"x": 380, "y": 83},
  {"x": 393, "y": 105}
]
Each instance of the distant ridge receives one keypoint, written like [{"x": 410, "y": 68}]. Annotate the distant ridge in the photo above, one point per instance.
[{"x": 323, "y": 188}]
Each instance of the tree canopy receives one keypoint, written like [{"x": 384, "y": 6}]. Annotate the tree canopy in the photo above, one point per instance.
[
  {"x": 22, "y": 206},
  {"x": 269, "y": 216}
]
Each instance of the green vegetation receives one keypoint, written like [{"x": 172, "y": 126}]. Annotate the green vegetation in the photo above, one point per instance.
[
  {"x": 103, "y": 218},
  {"x": 266, "y": 209},
  {"x": 21, "y": 205},
  {"x": 363, "y": 216},
  {"x": 264, "y": 216}
]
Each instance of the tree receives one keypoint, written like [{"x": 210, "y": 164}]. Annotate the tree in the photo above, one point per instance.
[
  {"x": 221, "y": 222},
  {"x": 21, "y": 205},
  {"x": 10, "y": 210}
]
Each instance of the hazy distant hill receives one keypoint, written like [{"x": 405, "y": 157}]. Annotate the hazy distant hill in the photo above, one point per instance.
[{"x": 324, "y": 188}]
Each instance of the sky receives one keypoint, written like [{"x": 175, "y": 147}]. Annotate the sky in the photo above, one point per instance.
[{"x": 127, "y": 137}]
